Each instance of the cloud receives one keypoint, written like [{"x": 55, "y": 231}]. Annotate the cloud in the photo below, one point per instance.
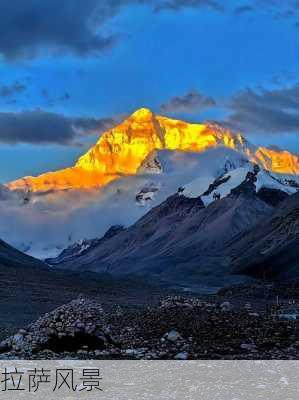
[
  {"x": 41, "y": 127},
  {"x": 59, "y": 26},
  {"x": 193, "y": 101},
  {"x": 265, "y": 111},
  {"x": 275, "y": 8},
  {"x": 32, "y": 28},
  {"x": 177, "y": 5},
  {"x": 13, "y": 89}
]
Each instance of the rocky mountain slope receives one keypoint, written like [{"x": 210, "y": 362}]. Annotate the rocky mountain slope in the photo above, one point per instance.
[
  {"x": 46, "y": 223},
  {"x": 11, "y": 257},
  {"x": 29, "y": 288},
  {"x": 181, "y": 240},
  {"x": 271, "y": 249},
  {"x": 125, "y": 149}
]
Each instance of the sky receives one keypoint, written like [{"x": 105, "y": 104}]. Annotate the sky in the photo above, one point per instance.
[{"x": 72, "y": 69}]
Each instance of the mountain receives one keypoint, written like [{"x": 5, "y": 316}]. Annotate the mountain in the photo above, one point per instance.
[
  {"x": 11, "y": 257},
  {"x": 126, "y": 149},
  {"x": 29, "y": 289},
  {"x": 264, "y": 182},
  {"x": 183, "y": 240},
  {"x": 134, "y": 167},
  {"x": 271, "y": 249}
]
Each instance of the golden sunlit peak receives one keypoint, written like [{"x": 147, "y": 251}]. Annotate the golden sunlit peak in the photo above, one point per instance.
[
  {"x": 122, "y": 150},
  {"x": 142, "y": 112}
]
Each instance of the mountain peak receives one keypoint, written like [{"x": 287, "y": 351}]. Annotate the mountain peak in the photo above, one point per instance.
[
  {"x": 142, "y": 113},
  {"x": 123, "y": 149}
]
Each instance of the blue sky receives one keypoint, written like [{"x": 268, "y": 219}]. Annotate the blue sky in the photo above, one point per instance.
[{"x": 237, "y": 65}]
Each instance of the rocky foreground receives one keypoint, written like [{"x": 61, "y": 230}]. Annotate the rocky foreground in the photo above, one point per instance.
[{"x": 178, "y": 328}]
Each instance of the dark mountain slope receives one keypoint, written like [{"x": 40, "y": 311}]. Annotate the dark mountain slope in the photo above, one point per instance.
[
  {"x": 11, "y": 257},
  {"x": 180, "y": 240},
  {"x": 271, "y": 250},
  {"x": 29, "y": 288}
]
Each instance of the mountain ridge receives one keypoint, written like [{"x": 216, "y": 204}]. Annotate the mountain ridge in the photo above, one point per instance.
[
  {"x": 179, "y": 240},
  {"x": 121, "y": 151}
]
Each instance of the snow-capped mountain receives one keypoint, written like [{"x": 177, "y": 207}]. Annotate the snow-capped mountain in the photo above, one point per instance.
[
  {"x": 180, "y": 241},
  {"x": 224, "y": 184},
  {"x": 191, "y": 232},
  {"x": 128, "y": 147},
  {"x": 132, "y": 168},
  {"x": 55, "y": 220}
]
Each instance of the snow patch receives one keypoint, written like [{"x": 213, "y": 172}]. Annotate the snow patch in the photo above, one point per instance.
[{"x": 231, "y": 180}]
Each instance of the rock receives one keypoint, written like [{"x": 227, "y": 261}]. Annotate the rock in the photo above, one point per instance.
[
  {"x": 181, "y": 356},
  {"x": 226, "y": 306},
  {"x": 18, "y": 340},
  {"x": 248, "y": 347},
  {"x": 253, "y": 314},
  {"x": 179, "y": 301},
  {"x": 152, "y": 356},
  {"x": 82, "y": 352},
  {"x": 130, "y": 352},
  {"x": 102, "y": 353},
  {"x": 173, "y": 336},
  {"x": 119, "y": 311}
]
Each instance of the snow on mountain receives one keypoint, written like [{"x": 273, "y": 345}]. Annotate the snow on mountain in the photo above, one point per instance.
[
  {"x": 132, "y": 168},
  {"x": 50, "y": 222},
  {"x": 53, "y": 221},
  {"x": 129, "y": 147},
  {"x": 223, "y": 185},
  {"x": 189, "y": 238},
  {"x": 179, "y": 241}
]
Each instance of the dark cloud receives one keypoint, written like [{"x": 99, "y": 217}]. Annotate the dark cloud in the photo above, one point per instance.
[
  {"x": 34, "y": 27},
  {"x": 30, "y": 27},
  {"x": 177, "y": 5},
  {"x": 266, "y": 111},
  {"x": 12, "y": 89},
  {"x": 191, "y": 102},
  {"x": 59, "y": 26},
  {"x": 41, "y": 127},
  {"x": 87, "y": 126}
]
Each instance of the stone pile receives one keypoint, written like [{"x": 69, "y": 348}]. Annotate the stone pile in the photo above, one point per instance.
[{"x": 67, "y": 326}]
